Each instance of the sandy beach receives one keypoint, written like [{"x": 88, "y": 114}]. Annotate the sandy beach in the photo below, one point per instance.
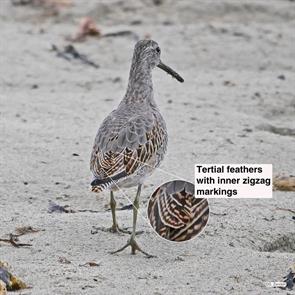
[{"x": 237, "y": 105}]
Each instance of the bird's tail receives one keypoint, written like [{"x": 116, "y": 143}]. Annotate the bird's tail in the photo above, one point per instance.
[{"x": 99, "y": 185}]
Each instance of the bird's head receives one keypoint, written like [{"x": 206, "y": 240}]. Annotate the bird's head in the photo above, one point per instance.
[{"x": 148, "y": 52}]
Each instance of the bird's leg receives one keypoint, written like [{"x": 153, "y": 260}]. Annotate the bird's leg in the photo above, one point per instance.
[
  {"x": 131, "y": 242},
  {"x": 114, "y": 228},
  {"x": 113, "y": 204}
]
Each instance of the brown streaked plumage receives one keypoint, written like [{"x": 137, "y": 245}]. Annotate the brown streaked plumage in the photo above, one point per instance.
[{"x": 175, "y": 213}]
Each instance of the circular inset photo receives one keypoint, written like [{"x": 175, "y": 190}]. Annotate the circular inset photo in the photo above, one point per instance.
[{"x": 175, "y": 213}]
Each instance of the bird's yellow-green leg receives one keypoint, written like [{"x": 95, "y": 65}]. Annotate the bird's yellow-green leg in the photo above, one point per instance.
[
  {"x": 131, "y": 242},
  {"x": 113, "y": 204},
  {"x": 114, "y": 228}
]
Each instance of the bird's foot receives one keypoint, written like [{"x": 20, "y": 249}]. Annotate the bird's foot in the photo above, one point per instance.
[
  {"x": 134, "y": 247},
  {"x": 113, "y": 229},
  {"x": 116, "y": 229}
]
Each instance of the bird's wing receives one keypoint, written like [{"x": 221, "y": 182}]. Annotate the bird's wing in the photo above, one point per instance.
[{"x": 122, "y": 146}]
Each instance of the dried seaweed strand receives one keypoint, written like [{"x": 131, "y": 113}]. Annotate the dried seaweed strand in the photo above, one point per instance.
[{"x": 13, "y": 240}]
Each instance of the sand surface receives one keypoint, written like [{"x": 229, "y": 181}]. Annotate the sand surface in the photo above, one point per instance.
[{"x": 238, "y": 62}]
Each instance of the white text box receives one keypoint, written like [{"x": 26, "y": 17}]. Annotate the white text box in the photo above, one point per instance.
[{"x": 233, "y": 180}]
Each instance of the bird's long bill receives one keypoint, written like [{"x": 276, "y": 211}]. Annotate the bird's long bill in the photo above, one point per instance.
[{"x": 170, "y": 72}]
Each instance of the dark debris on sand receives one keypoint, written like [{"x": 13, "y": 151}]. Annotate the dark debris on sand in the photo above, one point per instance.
[{"x": 70, "y": 53}]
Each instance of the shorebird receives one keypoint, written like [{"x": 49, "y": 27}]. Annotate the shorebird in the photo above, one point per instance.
[
  {"x": 175, "y": 213},
  {"x": 132, "y": 140}
]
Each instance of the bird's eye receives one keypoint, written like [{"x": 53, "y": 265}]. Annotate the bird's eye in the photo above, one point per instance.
[{"x": 158, "y": 49}]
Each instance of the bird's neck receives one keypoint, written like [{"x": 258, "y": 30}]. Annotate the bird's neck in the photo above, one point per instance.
[{"x": 140, "y": 85}]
